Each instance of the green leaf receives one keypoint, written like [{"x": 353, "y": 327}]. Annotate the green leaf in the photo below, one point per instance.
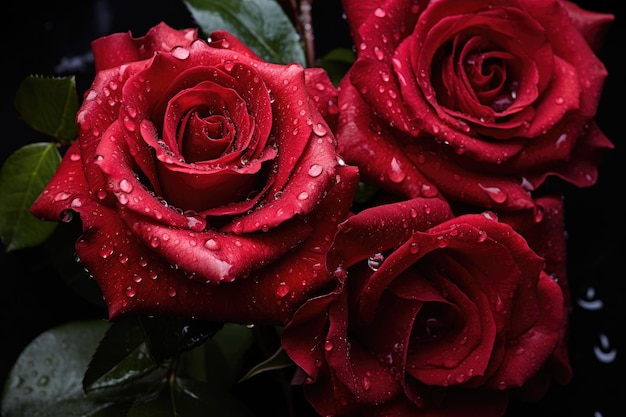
[
  {"x": 49, "y": 105},
  {"x": 278, "y": 360},
  {"x": 260, "y": 24},
  {"x": 46, "y": 380},
  {"x": 60, "y": 249},
  {"x": 170, "y": 336},
  {"x": 189, "y": 398},
  {"x": 231, "y": 344},
  {"x": 24, "y": 175},
  {"x": 364, "y": 193},
  {"x": 337, "y": 63},
  {"x": 121, "y": 357}
]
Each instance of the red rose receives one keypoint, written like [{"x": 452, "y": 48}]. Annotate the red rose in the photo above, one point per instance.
[
  {"x": 206, "y": 179},
  {"x": 447, "y": 321},
  {"x": 478, "y": 100}
]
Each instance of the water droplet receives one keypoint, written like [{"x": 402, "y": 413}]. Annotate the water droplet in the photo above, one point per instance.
[
  {"x": 67, "y": 216},
  {"x": 212, "y": 244},
  {"x": 414, "y": 248},
  {"x": 379, "y": 12},
  {"x": 101, "y": 194},
  {"x": 395, "y": 172},
  {"x": 129, "y": 124},
  {"x": 130, "y": 292},
  {"x": 495, "y": 193},
  {"x": 315, "y": 170},
  {"x": 172, "y": 292},
  {"x": 105, "y": 252},
  {"x": 180, "y": 53},
  {"x": 303, "y": 196},
  {"x": 126, "y": 186},
  {"x": 367, "y": 384},
  {"x": 62, "y": 196},
  {"x": 428, "y": 190},
  {"x": 123, "y": 199},
  {"x": 282, "y": 290},
  {"x": 375, "y": 261},
  {"x": 319, "y": 129},
  {"x": 378, "y": 53}
]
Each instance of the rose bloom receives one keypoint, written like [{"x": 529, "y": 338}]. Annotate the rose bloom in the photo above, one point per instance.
[
  {"x": 206, "y": 180},
  {"x": 434, "y": 315},
  {"x": 479, "y": 101}
]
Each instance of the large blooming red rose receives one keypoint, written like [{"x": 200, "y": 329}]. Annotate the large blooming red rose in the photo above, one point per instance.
[
  {"x": 206, "y": 179},
  {"x": 448, "y": 320},
  {"x": 477, "y": 100}
]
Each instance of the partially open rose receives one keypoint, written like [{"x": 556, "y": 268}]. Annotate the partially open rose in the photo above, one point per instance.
[
  {"x": 206, "y": 179},
  {"x": 478, "y": 100},
  {"x": 448, "y": 320}
]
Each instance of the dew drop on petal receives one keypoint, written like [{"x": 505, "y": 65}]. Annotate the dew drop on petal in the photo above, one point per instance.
[
  {"x": 319, "y": 129},
  {"x": 375, "y": 261},
  {"x": 494, "y": 193},
  {"x": 315, "y": 170},
  {"x": 378, "y": 53},
  {"x": 367, "y": 383},
  {"x": 428, "y": 190},
  {"x": 105, "y": 252},
  {"x": 211, "y": 244},
  {"x": 180, "y": 53},
  {"x": 282, "y": 290},
  {"x": 67, "y": 216},
  {"x": 131, "y": 292},
  {"x": 395, "y": 172},
  {"x": 62, "y": 196},
  {"x": 126, "y": 186}
]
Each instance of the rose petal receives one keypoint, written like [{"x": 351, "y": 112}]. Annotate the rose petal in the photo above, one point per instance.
[{"x": 121, "y": 48}]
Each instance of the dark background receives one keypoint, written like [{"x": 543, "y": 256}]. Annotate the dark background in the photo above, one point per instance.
[{"x": 52, "y": 38}]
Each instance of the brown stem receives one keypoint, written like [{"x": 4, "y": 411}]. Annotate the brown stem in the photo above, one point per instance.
[{"x": 307, "y": 31}]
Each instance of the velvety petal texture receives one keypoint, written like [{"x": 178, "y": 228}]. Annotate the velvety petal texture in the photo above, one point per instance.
[
  {"x": 432, "y": 314},
  {"x": 205, "y": 178},
  {"x": 486, "y": 99}
]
